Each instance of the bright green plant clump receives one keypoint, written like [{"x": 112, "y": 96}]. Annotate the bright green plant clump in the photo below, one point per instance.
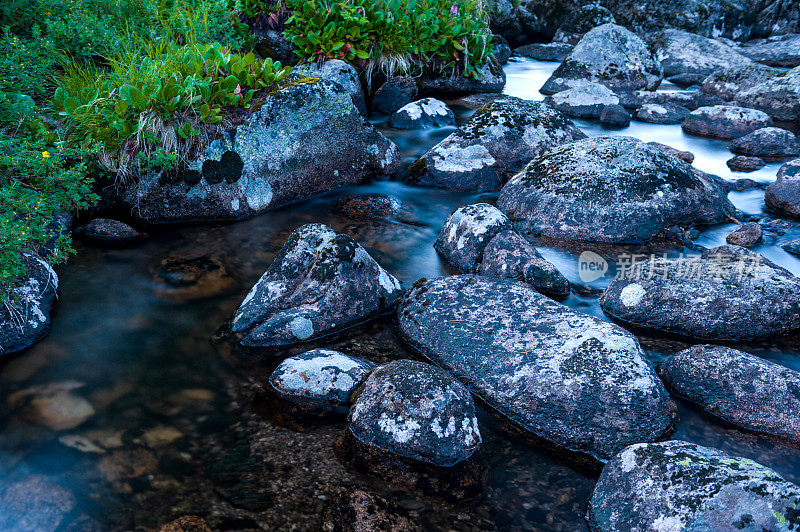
[{"x": 154, "y": 98}]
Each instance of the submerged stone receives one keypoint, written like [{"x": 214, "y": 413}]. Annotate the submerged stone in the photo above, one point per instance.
[{"x": 725, "y": 121}]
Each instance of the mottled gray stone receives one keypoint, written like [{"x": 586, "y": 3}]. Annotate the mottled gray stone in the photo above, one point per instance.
[
  {"x": 725, "y": 121},
  {"x": 614, "y": 116},
  {"x": 107, "y": 232},
  {"x": 661, "y": 113},
  {"x": 491, "y": 78},
  {"x": 26, "y": 318},
  {"x": 778, "y": 51},
  {"x": 793, "y": 247},
  {"x": 683, "y": 98},
  {"x": 783, "y": 195},
  {"x": 741, "y": 163},
  {"x": 423, "y": 114},
  {"x": 726, "y": 84},
  {"x": 726, "y": 293},
  {"x": 564, "y": 379},
  {"x": 747, "y": 235},
  {"x": 677, "y": 485},
  {"x": 610, "y": 189},
  {"x": 320, "y": 281},
  {"x": 339, "y": 72},
  {"x": 584, "y": 99},
  {"x": 467, "y": 232},
  {"x": 394, "y": 94},
  {"x": 767, "y": 142},
  {"x": 553, "y": 51},
  {"x": 681, "y": 52},
  {"x": 579, "y": 21},
  {"x": 685, "y": 156},
  {"x": 778, "y": 96}
]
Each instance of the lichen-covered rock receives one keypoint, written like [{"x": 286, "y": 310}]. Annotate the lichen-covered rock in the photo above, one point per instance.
[
  {"x": 394, "y": 94},
  {"x": 661, "y": 113},
  {"x": 303, "y": 139},
  {"x": 783, "y": 195},
  {"x": 725, "y": 121},
  {"x": 417, "y": 411},
  {"x": 565, "y": 379},
  {"x": 790, "y": 170},
  {"x": 740, "y": 388},
  {"x": 767, "y": 142},
  {"x": 684, "y": 98},
  {"x": 677, "y": 485},
  {"x": 611, "y": 55},
  {"x": 776, "y": 17},
  {"x": 579, "y": 21},
  {"x": 423, "y": 114},
  {"x": 498, "y": 140},
  {"x": 778, "y": 51},
  {"x": 502, "y": 50},
  {"x": 726, "y": 84},
  {"x": 319, "y": 282},
  {"x": 491, "y": 78},
  {"x": 683, "y": 155},
  {"x": 742, "y": 163},
  {"x": 686, "y": 53},
  {"x": 106, "y": 232},
  {"x": 584, "y": 99},
  {"x": 26, "y": 320},
  {"x": 320, "y": 379},
  {"x": 778, "y": 96},
  {"x": 614, "y": 116},
  {"x": 726, "y": 293},
  {"x": 747, "y": 235},
  {"x": 339, "y": 72},
  {"x": 553, "y": 51},
  {"x": 609, "y": 189},
  {"x": 480, "y": 239}
]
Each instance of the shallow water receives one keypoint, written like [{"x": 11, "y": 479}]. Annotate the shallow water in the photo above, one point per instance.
[{"x": 173, "y": 434}]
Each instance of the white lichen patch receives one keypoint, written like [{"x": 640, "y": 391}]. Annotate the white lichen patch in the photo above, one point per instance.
[
  {"x": 456, "y": 159},
  {"x": 400, "y": 429},
  {"x": 632, "y": 295},
  {"x": 301, "y": 328}
]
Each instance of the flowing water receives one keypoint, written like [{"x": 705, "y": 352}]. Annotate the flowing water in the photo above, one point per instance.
[{"x": 173, "y": 432}]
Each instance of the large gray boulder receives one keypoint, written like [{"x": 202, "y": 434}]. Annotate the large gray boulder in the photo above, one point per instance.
[
  {"x": 677, "y": 485},
  {"x": 491, "y": 78},
  {"x": 776, "y": 17},
  {"x": 339, "y": 72},
  {"x": 728, "y": 83},
  {"x": 562, "y": 378},
  {"x": 320, "y": 281},
  {"x": 778, "y": 51},
  {"x": 767, "y": 142},
  {"x": 725, "y": 121},
  {"x": 740, "y": 388},
  {"x": 303, "y": 139},
  {"x": 497, "y": 141},
  {"x": 783, "y": 195},
  {"x": 584, "y": 99},
  {"x": 726, "y": 293},
  {"x": 681, "y": 52},
  {"x": 25, "y": 319},
  {"x": 610, "y": 189},
  {"x": 778, "y": 96},
  {"x": 611, "y": 55}
]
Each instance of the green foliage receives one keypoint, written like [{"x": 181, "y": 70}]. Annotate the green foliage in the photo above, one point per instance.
[{"x": 392, "y": 35}]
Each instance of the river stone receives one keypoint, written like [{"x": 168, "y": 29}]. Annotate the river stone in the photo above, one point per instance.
[
  {"x": 584, "y": 99},
  {"x": 748, "y": 235},
  {"x": 611, "y": 55},
  {"x": 467, "y": 232},
  {"x": 726, "y": 84},
  {"x": 394, "y": 94},
  {"x": 783, "y": 195},
  {"x": 27, "y": 320},
  {"x": 370, "y": 206},
  {"x": 498, "y": 140},
  {"x": 423, "y": 114},
  {"x": 777, "y": 51},
  {"x": 55, "y": 405},
  {"x": 790, "y": 170},
  {"x": 34, "y": 504},
  {"x": 319, "y": 282},
  {"x": 565, "y": 379},
  {"x": 742, "y": 163},
  {"x": 740, "y": 388},
  {"x": 320, "y": 379},
  {"x": 683, "y": 155},
  {"x": 417, "y": 411},
  {"x": 502, "y": 50},
  {"x": 661, "y": 113},
  {"x": 491, "y": 78},
  {"x": 614, "y": 116},
  {"x": 552, "y": 52},
  {"x": 609, "y": 189},
  {"x": 778, "y": 96},
  {"x": 793, "y": 247},
  {"x": 303, "y": 139},
  {"x": 107, "y": 232},
  {"x": 677, "y": 485},
  {"x": 339, "y": 72},
  {"x": 681, "y": 52},
  {"x": 683, "y": 98},
  {"x": 767, "y": 142},
  {"x": 580, "y": 21},
  {"x": 727, "y": 293},
  {"x": 362, "y": 511},
  {"x": 725, "y": 121}
]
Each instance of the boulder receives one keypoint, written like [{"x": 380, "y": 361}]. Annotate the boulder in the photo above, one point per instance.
[
  {"x": 740, "y": 388},
  {"x": 767, "y": 142},
  {"x": 339, "y": 72},
  {"x": 610, "y": 189},
  {"x": 524, "y": 21},
  {"x": 778, "y": 51},
  {"x": 725, "y": 121},
  {"x": 677, "y": 485},
  {"x": 783, "y": 195},
  {"x": 685, "y": 156},
  {"x": 614, "y": 117},
  {"x": 748, "y": 235},
  {"x": 394, "y": 94},
  {"x": 423, "y": 114},
  {"x": 271, "y": 43},
  {"x": 726, "y": 293},
  {"x": 564, "y": 379},
  {"x": 776, "y": 17},
  {"x": 498, "y": 140},
  {"x": 106, "y": 232},
  {"x": 553, "y": 51},
  {"x": 26, "y": 318},
  {"x": 491, "y": 78},
  {"x": 657, "y": 113},
  {"x": 320, "y": 379},
  {"x": 741, "y": 163},
  {"x": 580, "y": 21},
  {"x": 728, "y": 83},
  {"x": 502, "y": 50},
  {"x": 304, "y": 139},
  {"x": 778, "y": 96},
  {"x": 321, "y": 281},
  {"x": 789, "y": 170},
  {"x": 584, "y": 99},
  {"x": 687, "y": 99},
  {"x": 611, "y": 55},
  {"x": 680, "y": 52}
]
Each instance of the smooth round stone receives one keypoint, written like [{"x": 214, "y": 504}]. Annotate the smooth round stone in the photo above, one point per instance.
[
  {"x": 103, "y": 231},
  {"x": 394, "y": 94},
  {"x": 584, "y": 99},
  {"x": 614, "y": 116},
  {"x": 748, "y": 235},
  {"x": 423, "y": 114},
  {"x": 661, "y": 113},
  {"x": 783, "y": 195},
  {"x": 767, "y": 142},
  {"x": 742, "y": 163},
  {"x": 725, "y": 121}
]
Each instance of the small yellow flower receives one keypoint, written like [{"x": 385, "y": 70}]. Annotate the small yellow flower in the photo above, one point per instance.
[{"x": 45, "y": 154}]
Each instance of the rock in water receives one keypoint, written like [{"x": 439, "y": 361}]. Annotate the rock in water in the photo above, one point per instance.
[
  {"x": 677, "y": 485},
  {"x": 339, "y": 72},
  {"x": 658, "y": 113},
  {"x": 491, "y": 78},
  {"x": 499, "y": 139},
  {"x": 553, "y": 51},
  {"x": 783, "y": 195},
  {"x": 742, "y": 389},
  {"x": 727, "y": 293},
  {"x": 54, "y": 405},
  {"x": 361, "y": 511},
  {"x": 614, "y": 116},
  {"x": 726, "y": 84},
  {"x": 423, "y": 114},
  {"x": 480, "y": 239},
  {"x": 568, "y": 380},
  {"x": 394, "y": 94},
  {"x": 725, "y": 121},
  {"x": 319, "y": 282},
  {"x": 740, "y": 163},
  {"x": 767, "y": 142},
  {"x": 584, "y": 99},
  {"x": 611, "y": 55},
  {"x": 27, "y": 321},
  {"x": 320, "y": 379},
  {"x": 107, "y": 232},
  {"x": 778, "y": 51},
  {"x": 681, "y": 52},
  {"x": 34, "y": 504},
  {"x": 304, "y": 139},
  {"x": 748, "y": 235},
  {"x": 778, "y": 96},
  {"x": 609, "y": 189},
  {"x": 685, "y": 156}
]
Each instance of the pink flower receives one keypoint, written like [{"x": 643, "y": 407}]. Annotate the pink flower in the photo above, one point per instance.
[{"x": 454, "y": 10}]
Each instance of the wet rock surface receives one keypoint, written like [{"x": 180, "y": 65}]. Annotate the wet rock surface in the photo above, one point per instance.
[
  {"x": 767, "y": 142},
  {"x": 611, "y": 55},
  {"x": 725, "y": 121},
  {"x": 106, "y": 232},
  {"x": 362, "y": 511},
  {"x": 742, "y": 163},
  {"x": 565, "y": 379},
  {"x": 394, "y": 94},
  {"x": 56, "y": 406},
  {"x": 609, "y": 189},
  {"x": 726, "y": 293},
  {"x": 680, "y": 52},
  {"x": 319, "y": 282},
  {"x": 584, "y": 99},
  {"x": 682, "y": 486},
  {"x": 553, "y": 51},
  {"x": 778, "y": 96},
  {"x": 778, "y": 51},
  {"x": 185, "y": 278},
  {"x": 614, "y": 116},
  {"x": 728, "y": 83},
  {"x": 742, "y": 389},
  {"x": 423, "y": 114},
  {"x": 34, "y": 504},
  {"x": 748, "y": 235},
  {"x": 499, "y": 139},
  {"x": 656, "y": 113},
  {"x": 783, "y": 195},
  {"x": 368, "y": 206},
  {"x": 491, "y": 78}
]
